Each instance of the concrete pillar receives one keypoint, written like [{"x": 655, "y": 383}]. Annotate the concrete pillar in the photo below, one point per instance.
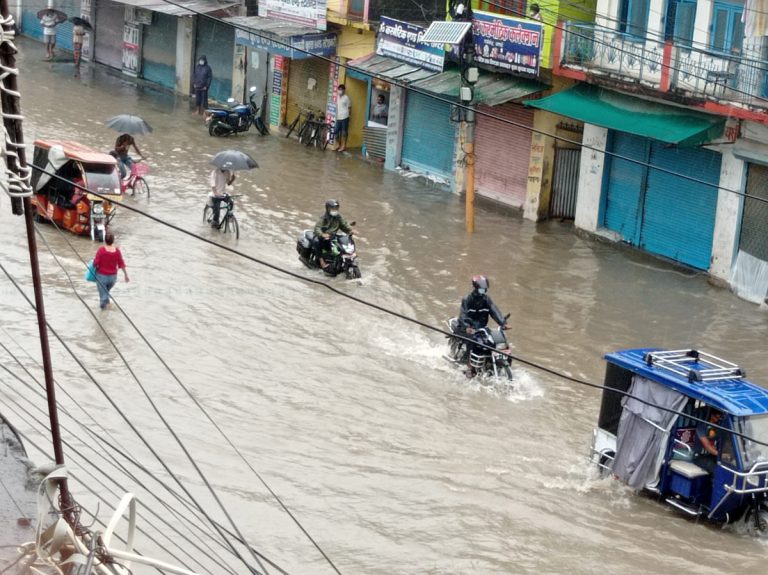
[
  {"x": 541, "y": 162},
  {"x": 185, "y": 54},
  {"x": 591, "y": 170},
  {"x": 395, "y": 124},
  {"x": 728, "y": 216}
]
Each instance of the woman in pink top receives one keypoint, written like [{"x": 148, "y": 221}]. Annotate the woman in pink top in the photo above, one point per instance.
[{"x": 107, "y": 261}]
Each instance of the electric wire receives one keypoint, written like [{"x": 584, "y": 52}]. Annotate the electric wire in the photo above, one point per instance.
[
  {"x": 156, "y": 409},
  {"x": 129, "y": 457},
  {"x": 187, "y": 392},
  {"x": 120, "y": 412},
  {"x": 478, "y": 112},
  {"x": 110, "y": 459},
  {"x": 380, "y": 308}
]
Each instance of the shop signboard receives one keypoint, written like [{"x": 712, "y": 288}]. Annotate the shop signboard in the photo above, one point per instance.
[
  {"x": 294, "y": 47},
  {"x": 402, "y": 41},
  {"x": 307, "y": 12},
  {"x": 509, "y": 44}
]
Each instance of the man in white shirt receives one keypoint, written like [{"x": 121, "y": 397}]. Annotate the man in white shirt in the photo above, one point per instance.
[
  {"x": 49, "y": 21},
  {"x": 220, "y": 179},
  {"x": 343, "y": 107}
]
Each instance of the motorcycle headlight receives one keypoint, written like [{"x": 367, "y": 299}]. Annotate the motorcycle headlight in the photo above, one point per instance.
[{"x": 97, "y": 209}]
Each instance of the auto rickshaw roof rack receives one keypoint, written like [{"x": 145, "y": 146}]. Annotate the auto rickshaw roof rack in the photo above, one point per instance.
[{"x": 695, "y": 365}]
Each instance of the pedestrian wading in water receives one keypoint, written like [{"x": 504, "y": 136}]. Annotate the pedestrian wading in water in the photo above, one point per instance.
[{"x": 107, "y": 261}]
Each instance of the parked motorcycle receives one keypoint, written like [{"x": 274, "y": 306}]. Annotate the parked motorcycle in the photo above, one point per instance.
[
  {"x": 341, "y": 258},
  {"x": 236, "y": 117},
  {"x": 492, "y": 361}
]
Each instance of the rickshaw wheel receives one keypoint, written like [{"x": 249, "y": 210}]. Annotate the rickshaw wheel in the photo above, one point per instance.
[{"x": 757, "y": 525}]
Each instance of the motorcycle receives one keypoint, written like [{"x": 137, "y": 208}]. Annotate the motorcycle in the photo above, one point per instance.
[
  {"x": 341, "y": 258},
  {"x": 492, "y": 361},
  {"x": 236, "y": 117}
]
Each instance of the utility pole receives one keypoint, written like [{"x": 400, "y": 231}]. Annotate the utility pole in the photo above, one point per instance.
[{"x": 469, "y": 76}]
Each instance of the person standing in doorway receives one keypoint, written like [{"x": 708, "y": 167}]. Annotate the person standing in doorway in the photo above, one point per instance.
[
  {"x": 107, "y": 261},
  {"x": 201, "y": 81},
  {"x": 343, "y": 107},
  {"x": 49, "y": 21}
]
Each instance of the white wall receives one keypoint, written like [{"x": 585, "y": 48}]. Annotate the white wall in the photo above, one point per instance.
[
  {"x": 591, "y": 171},
  {"x": 727, "y": 218}
]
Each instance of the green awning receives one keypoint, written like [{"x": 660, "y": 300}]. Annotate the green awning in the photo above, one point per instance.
[
  {"x": 608, "y": 109},
  {"x": 490, "y": 89}
]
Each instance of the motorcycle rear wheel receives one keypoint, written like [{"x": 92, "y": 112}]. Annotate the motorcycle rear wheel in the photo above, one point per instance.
[{"x": 214, "y": 129}]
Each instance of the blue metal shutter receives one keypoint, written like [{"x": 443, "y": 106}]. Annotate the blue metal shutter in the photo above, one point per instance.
[
  {"x": 679, "y": 214},
  {"x": 429, "y": 135},
  {"x": 159, "y": 50},
  {"x": 626, "y": 181},
  {"x": 30, "y": 24},
  {"x": 64, "y": 30},
  {"x": 216, "y": 41}
]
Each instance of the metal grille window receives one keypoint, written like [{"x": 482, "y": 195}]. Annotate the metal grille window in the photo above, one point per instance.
[{"x": 754, "y": 223}]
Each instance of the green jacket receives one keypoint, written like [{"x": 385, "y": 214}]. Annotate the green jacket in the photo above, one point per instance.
[{"x": 330, "y": 225}]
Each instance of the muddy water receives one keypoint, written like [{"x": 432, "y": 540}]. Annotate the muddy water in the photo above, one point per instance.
[{"x": 386, "y": 454}]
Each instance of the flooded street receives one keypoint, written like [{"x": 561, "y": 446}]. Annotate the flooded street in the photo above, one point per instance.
[{"x": 390, "y": 459}]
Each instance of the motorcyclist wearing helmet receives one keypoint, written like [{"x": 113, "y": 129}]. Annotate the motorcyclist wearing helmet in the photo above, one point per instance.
[
  {"x": 326, "y": 227},
  {"x": 476, "y": 307}
]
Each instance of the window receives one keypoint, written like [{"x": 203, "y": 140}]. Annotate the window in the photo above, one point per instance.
[
  {"x": 684, "y": 19},
  {"x": 633, "y": 17},
  {"x": 727, "y": 30}
]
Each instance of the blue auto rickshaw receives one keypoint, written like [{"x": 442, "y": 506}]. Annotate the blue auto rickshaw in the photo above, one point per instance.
[{"x": 689, "y": 428}]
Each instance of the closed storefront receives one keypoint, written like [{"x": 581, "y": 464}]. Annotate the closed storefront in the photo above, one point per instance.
[
  {"x": 108, "y": 32},
  {"x": 428, "y": 136},
  {"x": 657, "y": 211},
  {"x": 159, "y": 50},
  {"x": 502, "y": 149},
  {"x": 308, "y": 81},
  {"x": 754, "y": 223},
  {"x": 216, "y": 41}
]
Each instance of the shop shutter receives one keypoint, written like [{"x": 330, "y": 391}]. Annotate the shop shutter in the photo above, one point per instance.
[
  {"x": 301, "y": 74},
  {"x": 159, "y": 50},
  {"x": 754, "y": 232},
  {"x": 64, "y": 30},
  {"x": 429, "y": 135},
  {"x": 108, "y": 33},
  {"x": 216, "y": 40},
  {"x": 679, "y": 214},
  {"x": 30, "y": 24},
  {"x": 502, "y": 151},
  {"x": 625, "y": 183}
]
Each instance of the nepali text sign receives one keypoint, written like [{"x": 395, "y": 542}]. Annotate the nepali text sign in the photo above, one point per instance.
[
  {"x": 512, "y": 44},
  {"x": 294, "y": 47},
  {"x": 307, "y": 12},
  {"x": 402, "y": 41}
]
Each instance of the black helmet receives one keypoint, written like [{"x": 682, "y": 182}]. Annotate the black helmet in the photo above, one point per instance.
[
  {"x": 331, "y": 205},
  {"x": 480, "y": 283}
]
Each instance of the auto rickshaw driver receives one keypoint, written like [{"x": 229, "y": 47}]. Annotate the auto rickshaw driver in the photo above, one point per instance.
[{"x": 709, "y": 436}]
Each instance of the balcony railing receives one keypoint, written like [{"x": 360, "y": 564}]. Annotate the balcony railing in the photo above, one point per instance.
[{"x": 695, "y": 72}]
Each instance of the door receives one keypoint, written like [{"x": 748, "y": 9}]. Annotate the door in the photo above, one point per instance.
[
  {"x": 565, "y": 183},
  {"x": 108, "y": 33},
  {"x": 308, "y": 80},
  {"x": 502, "y": 151},
  {"x": 428, "y": 136},
  {"x": 754, "y": 234},
  {"x": 159, "y": 50},
  {"x": 216, "y": 41}
]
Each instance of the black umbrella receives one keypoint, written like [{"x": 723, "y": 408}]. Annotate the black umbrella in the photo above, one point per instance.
[
  {"x": 60, "y": 16},
  {"x": 234, "y": 160},
  {"x": 77, "y": 21},
  {"x": 129, "y": 124}
]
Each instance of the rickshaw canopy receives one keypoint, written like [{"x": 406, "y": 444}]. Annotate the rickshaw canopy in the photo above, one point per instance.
[
  {"x": 697, "y": 375},
  {"x": 77, "y": 151}
]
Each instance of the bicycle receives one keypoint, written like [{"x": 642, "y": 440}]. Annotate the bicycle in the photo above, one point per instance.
[
  {"x": 308, "y": 115},
  {"x": 227, "y": 220},
  {"x": 135, "y": 181},
  {"x": 318, "y": 134}
]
